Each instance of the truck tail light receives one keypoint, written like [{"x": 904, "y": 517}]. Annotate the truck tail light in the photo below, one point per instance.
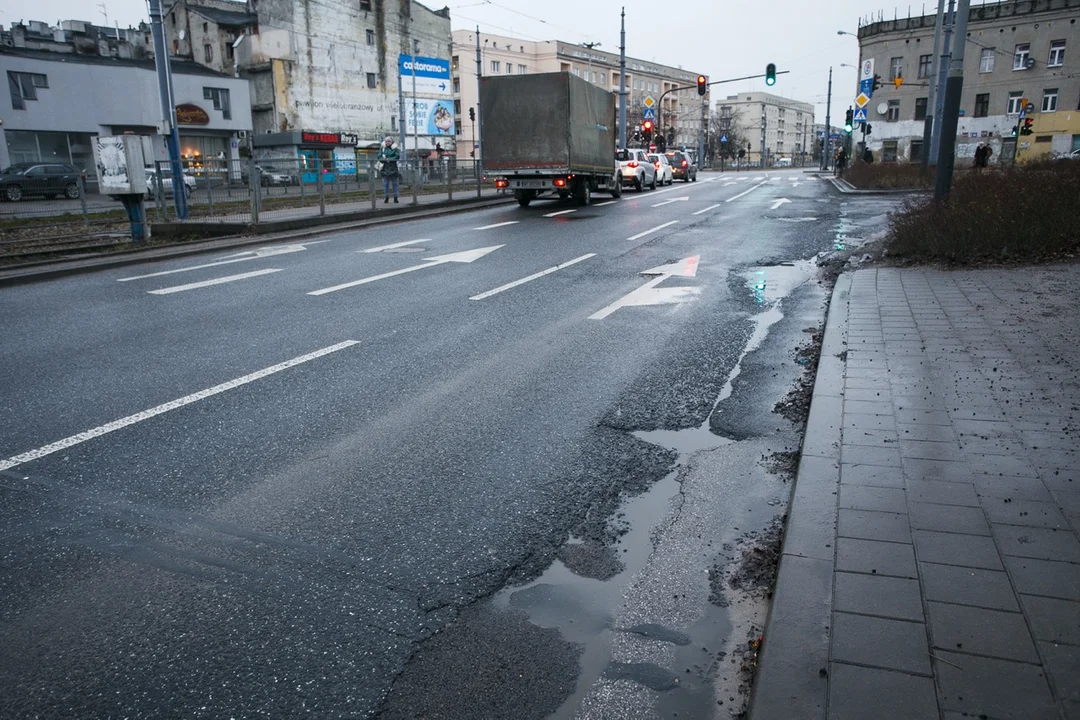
[
  {"x": 560, "y": 182},
  {"x": 501, "y": 183}
]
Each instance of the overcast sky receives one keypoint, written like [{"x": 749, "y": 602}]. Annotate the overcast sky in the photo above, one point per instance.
[{"x": 721, "y": 38}]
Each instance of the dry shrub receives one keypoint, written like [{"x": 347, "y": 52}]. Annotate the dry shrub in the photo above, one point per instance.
[
  {"x": 887, "y": 176},
  {"x": 1028, "y": 212}
]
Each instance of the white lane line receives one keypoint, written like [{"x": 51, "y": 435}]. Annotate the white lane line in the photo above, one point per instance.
[
  {"x": 560, "y": 212},
  {"x": 729, "y": 184},
  {"x": 532, "y": 277},
  {"x": 187, "y": 269},
  {"x": 395, "y": 245},
  {"x": 498, "y": 225},
  {"x": 746, "y": 192},
  {"x": 215, "y": 281},
  {"x": 171, "y": 405},
  {"x": 705, "y": 210},
  {"x": 609, "y": 202},
  {"x": 652, "y": 230}
]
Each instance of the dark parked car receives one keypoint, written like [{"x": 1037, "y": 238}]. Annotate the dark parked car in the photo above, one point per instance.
[
  {"x": 39, "y": 179},
  {"x": 682, "y": 166}
]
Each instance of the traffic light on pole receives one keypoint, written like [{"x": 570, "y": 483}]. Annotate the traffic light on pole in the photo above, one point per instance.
[
  {"x": 702, "y": 84},
  {"x": 472, "y": 114},
  {"x": 646, "y": 127},
  {"x": 876, "y": 84},
  {"x": 770, "y": 74},
  {"x": 849, "y": 123},
  {"x": 1027, "y": 129}
]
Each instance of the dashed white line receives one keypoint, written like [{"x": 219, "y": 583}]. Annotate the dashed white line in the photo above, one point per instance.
[
  {"x": 498, "y": 225},
  {"x": 395, "y": 245},
  {"x": 166, "y": 407},
  {"x": 705, "y": 210},
  {"x": 560, "y": 212},
  {"x": 746, "y": 192},
  {"x": 609, "y": 202},
  {"x": 215, "y": 281},
  {"x": 532, "y": 277},
  {"x": 652, "y": 230},
  {"x": 187, "y": 269}
]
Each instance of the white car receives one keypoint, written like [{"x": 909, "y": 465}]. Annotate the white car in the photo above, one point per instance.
[
  {"x": 664, "y": 176},
  {"x": 167, "y": 183},
  {"x": 636, "y": 168}
]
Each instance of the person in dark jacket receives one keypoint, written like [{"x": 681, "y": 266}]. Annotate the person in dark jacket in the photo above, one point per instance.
[{"x": 389, "y": 157}]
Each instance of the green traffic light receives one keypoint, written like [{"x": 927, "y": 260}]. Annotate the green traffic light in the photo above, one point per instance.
[
  {"x": 770, "y": 74},
  {"x": 848, "y": 129}
]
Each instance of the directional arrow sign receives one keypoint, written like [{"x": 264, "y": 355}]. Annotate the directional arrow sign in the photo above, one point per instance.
[
  {"x": 668, "y": 202},
  {"x": 778, "y": 202},
  {"x": 687, "y": 267},
  {"x": 650, "y": 294},
  {"x": 234, "y": 258},
  {"x": 467, "y": 256}
]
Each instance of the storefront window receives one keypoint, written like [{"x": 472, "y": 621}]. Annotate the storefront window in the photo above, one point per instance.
[{"x": 22, "y": 146}]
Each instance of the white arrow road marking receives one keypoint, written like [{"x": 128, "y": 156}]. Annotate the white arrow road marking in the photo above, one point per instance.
[
  {"x": 560, "y": 212},
  {"x": 705, "y": 210},
  {"x": 467, "y": 256},
  {"x": 652, "y": 230},
  {"x": 215, "y": 281},
  {"x": 498, "y": 225},
  {"x": 684, "y": 198},
  {"x": 235, "y": 258},
  {"x": 532, "y": 277},
  {"x": 778, "y": 202},
  {"x": 166, "y": 407},
  {"x": 395, "y": 245},
  {"x": 687, "y": 267},
  {"x": 649, "y": 294},
  {"x": 745, "y": 192},
  {"x": 795, "y": 183}
]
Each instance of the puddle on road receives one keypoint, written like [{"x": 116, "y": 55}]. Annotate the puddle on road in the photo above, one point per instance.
[{"x": 583, "y": 608}]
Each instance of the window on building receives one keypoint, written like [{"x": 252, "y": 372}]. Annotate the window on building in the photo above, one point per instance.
[
  {"x": 370, "y": 36},
  {"x": 220, "y": 98},
  {"x": 457, "y": 86},
  {"x": 916, "y": 150},
  {"x": 920, "y": 108},
  {"x": 365, "y": 5},
  {"x": 1020, "y": 57},
  {"x": 896, "y": 68},
  {"x": 982, "y": 105},
  {"x": 496, "y": 66},
  {"x": 1057, "y": 54},
  {"x": 1050, "y": 96},
  {"x": 206, "y": 27},
  {"x": 1043, "y": 138},
  {"x": 888, "y": 151},
  {"x": 1014, "y": 102},
  {"x": 371, "y": 80},
  {"x": 230, "y": 51},
  {"x": 894, "y": 111},
  {"x": 986, "y": 60},
  {"x": 23, "y": 87},
  {"x": 415, "y": 47},
  {"x": 457, "y": 107},
  {"x": 454, "y": 63},
  {"x": 522, "y": 69},
  {"x": 208, "y": 52},
  {"x": 393, "y": 122},
  {"x": 509, "y": 68},
  {"x": 924, "y": 65},
  {"x": 457, "y": 127}
]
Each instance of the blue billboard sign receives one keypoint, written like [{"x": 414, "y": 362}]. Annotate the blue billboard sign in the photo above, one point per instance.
[{"x": 425, "y": 67}]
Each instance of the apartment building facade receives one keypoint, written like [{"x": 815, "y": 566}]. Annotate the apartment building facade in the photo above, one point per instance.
[
  {"x": 1016, "y": 50},
  {"x": 775, "y": 128}
]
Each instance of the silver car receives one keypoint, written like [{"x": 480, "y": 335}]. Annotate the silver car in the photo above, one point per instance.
[
  {"x": 636, "y": 168},
  {"x": 664, "y": 175}
]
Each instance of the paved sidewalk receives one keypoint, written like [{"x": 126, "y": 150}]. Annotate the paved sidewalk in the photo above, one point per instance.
[{"x": 931, "y": 566}]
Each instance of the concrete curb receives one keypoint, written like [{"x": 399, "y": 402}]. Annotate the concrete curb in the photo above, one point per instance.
[
  {"x": 792, "y": 677},
  {"x": 848, "y": 189},
  {"x": 32, "y": 272}
]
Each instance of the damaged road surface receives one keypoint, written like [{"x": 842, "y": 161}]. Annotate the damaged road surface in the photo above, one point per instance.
[{"x": 525, "y": 480}]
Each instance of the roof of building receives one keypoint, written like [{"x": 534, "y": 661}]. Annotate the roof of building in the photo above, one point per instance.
[
  {"x": 228, "y": 18},
  {"x": 179, "y": 67}
]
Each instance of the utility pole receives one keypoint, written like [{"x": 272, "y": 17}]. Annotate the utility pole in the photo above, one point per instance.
[
  {"x": 479, "y": 120},
  {"x": 951, "y": 108},
  {"x": 939, "y": 96},
  {"x": 828, "y": 126},
  {"x": 416, "y": 121},
  {"x": 168, "y": 107},
  {"x": 931, "y": 101},
  {"x": 622, "y": 81},
  {"x": 764, "y": 125},
  {"x": 701, "y": 135}
]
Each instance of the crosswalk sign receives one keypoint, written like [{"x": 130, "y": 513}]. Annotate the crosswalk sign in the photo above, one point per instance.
[
  {"x": 648, "y": 113},
  {"x": 860, "y": 115}
]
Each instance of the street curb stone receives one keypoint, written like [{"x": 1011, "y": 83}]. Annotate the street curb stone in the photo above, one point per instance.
[{"x": 792, "y": 679}]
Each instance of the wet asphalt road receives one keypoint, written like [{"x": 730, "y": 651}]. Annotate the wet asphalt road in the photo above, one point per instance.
[{"x": 285, "y": 544}]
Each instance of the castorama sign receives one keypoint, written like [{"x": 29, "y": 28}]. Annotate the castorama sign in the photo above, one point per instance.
[{"x": 425, "y": 67}]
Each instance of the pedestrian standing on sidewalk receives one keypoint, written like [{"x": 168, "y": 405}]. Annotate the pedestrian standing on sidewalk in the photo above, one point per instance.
[
  {"x": 841, "y": 161},
  {"x": 980, "y": 158},
  {"x": 388, "y": 159}
]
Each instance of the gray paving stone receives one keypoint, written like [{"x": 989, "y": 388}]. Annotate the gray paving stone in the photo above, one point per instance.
[
  {"x": 866, "y": 455},
  {"x": 949, "y": 518},
  {"x": 872, "y": 475},
  {"x": 858, "y": 693},
  {"x": 953, "y": 549},
  {"x": 1053, "y": 619},
  {"x": 859, "y": 383},
  {"x": 917, "y": 401},
  {"x": 881, "y": 642},
  {"x": 872, "y": 438},
  {"x": 876, "y": 595},
  {"x": 968, "y": 586},
  {"x": 875, "y": 557},
  {"x": 863, "y": 497},
  {"x": 868, "y": 407},
  {"x": 938, "y": 470},
  {"x": 1068, "y": 500},
  {"x": 811, "y": 526},
  {"x": 942, "y": 493},
  {"x": 869, "y": 422},
  {"x": 984, "y": 428},
  {"x": 996, "y": 688},
  {"x": 1010, "y": 465},
  {"x": 1054, "y": 440},
  {"x": 1063, "y": 663},
  {"x": 867, "y": 394},
  {"x": 1024, "y": 512},
  {"x": 933, "y": 433},
  {"x": 1040, "y": 543},
  {"x": 931, "y": 450},
  {"x": 962, "y": 628},
  {"x": 870, "y": 525},
  {"x": 1008, "y": 487},
  {"x": 1045, "y": 577}
]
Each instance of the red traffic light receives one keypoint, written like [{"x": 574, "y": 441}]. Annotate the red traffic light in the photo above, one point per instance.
[
  {"x": 647, "y": 125},
  {"x": 702, "y": 84}
]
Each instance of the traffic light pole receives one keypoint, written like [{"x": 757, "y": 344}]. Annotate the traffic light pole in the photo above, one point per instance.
[
  {"x": 479, "y": 119},
  {"x": 622, "y": 81},
  {"x": 828, "y": 128},
  {"x": 939, "y": 96},
  {"x": 951, "y": 107},
  {"x": 931, "y": 109}
]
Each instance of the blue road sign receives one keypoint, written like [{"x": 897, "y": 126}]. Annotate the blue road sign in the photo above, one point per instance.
[
  {"x": 426, "y": 67},
  {"x": 867, "y": 87},
  {"x": 723, "y": 138},
  {"x": 860, "y": 114},
  {"x": 648, "y": 114}
]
